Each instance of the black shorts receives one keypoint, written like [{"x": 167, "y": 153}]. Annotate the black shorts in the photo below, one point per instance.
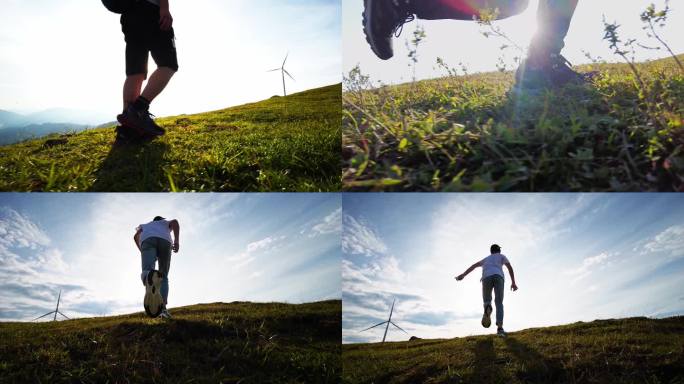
[{"x": 143, "y": 36}]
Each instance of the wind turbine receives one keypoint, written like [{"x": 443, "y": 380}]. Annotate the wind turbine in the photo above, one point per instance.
[
  {"x": 388, "y": 322},
  {"x": 284, "y": 72},
  {"x": 56, "y": 311}
]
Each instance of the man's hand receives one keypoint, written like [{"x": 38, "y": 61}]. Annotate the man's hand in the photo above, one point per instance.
[
  {"x": 165, "y": 19},
  {"x": 514, "y": 287},
  {"x": 175, "y": 247},
  {"x": 459, "y": 277}
]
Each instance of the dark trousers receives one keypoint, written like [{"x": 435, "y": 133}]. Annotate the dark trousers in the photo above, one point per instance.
[{"x": 553, "y": 16}]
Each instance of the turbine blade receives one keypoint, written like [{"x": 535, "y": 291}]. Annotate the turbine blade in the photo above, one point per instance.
[
  {"x": 63, "y": 315},
  {"x": 288, "y": 73},
  {"x": 376, "y": 325},
  {"x": 49, "y": 313},
  {"x": 288, "y": 54},
  {"x": 399, "y": 327},
  {"x": 273, "y": 70}
]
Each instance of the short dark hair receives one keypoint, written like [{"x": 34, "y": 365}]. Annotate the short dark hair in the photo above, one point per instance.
[
  {"x": 494, "y": 248},
  {"x": 157, "y": 218}
]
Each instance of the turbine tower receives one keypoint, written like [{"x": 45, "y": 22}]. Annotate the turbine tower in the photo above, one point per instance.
[
  {"x": 388, "y": 322},
  {"x": 56, "y": 311},
  {"x": 283, "y": 72}
]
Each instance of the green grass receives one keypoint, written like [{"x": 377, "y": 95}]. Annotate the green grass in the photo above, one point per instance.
[
  {"x": 635, "y": 350},
  {"x": 281, "y": 144},
  {"x": 469, "y": 133},
  {"x": 207, "y": 343}
]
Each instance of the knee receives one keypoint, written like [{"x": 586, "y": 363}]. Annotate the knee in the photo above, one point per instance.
[{"x": 169, "y": 71}]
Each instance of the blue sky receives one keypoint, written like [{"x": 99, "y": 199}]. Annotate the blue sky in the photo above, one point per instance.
[
  {"x": 233, "y": 247},
  {"x": 577, "y": 257},
  {"x": 462, "y": 42},
  {"x": 70, "y": 53}
]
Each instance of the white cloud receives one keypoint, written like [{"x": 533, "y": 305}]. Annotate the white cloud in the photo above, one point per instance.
[
  {"x": 330, "y": 224},
  {"x": 360, "y": 239},
  {"x": 590, "y": 264},
  {"x": 670, "y": 241},
  {"x": 268, "y": 243},
  {"x": 17, "y": 230}
]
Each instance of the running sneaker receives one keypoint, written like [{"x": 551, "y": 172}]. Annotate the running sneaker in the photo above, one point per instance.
[
  {"x": 165, "y": 314},
  {"x": 383, "y": 20},
  {"x": 141, "y": 121},
  {"x": 153, "y": 302},
  {"x": 486, "y": 320},
  {"x": 549, "y": 71},
  {"x": 500, "y": 332}
]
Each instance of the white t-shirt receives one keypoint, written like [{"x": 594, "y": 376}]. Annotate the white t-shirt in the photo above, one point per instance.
[
  {"x": 493, "y": 265},
  {"x": 159, "y": 228}
]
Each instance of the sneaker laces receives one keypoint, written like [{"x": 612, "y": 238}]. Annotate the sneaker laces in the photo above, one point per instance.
[
  {"x": 400, "y": 27},
  {"x": 558, "y": 60},
  {"x": 403, "y": 19}
]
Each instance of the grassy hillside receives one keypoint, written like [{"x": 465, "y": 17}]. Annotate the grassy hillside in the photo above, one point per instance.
[
  {"x": 207, "y": 343},
  {"x": 469, "y": 133},
  {"x": 636, "y": 350},
  {"x": 282, "y": 144}
]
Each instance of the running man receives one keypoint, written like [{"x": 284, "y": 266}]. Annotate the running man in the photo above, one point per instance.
[
  {"x": 148, "y": 28},
  {"x": 493, "y": 278},
  {"x": 154, "y": 242},
  {"x": 544, "y": 65}
]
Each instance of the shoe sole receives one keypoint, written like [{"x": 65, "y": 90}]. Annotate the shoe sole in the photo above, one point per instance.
[
  {"x": 123, "y": 120},
  {"x": 367, "y": 17},
  {"x": 486, "y": 320},
  {"x": 153, "y": 301}
]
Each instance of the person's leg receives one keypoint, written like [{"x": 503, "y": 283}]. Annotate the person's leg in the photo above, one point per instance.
[
  {"x": 156, "y": 83},
  {"x": 466, "y": 9},
  {"x": 498, "y": 283},
  {"x": 544, "y": 65},
  {"x": 139, "y": 27},
  {"x": 487, "y": 291},
  {"x": 149, "y": 257},
  {"x": 487, "y": 301},
  {"x": 164, "y": 257},
  {"x": 384, "y": 19},
  {"x": 553, "y": 24},
  {"x": 132, "y": 88}
]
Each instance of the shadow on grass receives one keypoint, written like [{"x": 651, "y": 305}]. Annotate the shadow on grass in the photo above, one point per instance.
[
  {"x": 132, "y": 168},
  {"x": 487, "y": 367},
  {"x": 533, "y": 366}
]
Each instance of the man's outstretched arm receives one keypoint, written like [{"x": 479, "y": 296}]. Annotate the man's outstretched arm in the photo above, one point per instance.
[
  {"x": 136, "y": 238},
  {"x": 175, "y": 227},
  {"x": 464, "y": 274},
  {"x": 514, "y": 287}
]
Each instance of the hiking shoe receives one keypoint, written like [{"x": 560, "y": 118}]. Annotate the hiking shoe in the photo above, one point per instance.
[
  {"x": 383, "y": 20},
  {"x": 500, "y": 332},
  {"x": 126, "y": 135},
  {"x": 141, "y": 121},
  {"x": 153, "y": 302},
  {"x": 550, "y": 71},
  {"x": 486, "y": 321},
  {"x": 165, "y": 314}
]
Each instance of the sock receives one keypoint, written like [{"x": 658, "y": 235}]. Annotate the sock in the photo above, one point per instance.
[{"x": 141, "y": 104}]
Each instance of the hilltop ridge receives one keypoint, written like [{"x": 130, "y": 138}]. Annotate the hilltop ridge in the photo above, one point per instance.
[
  {"x": 280, "y": 144},
  {"x": 632, "y": 350},
  {"x": 206, "y": 343}
]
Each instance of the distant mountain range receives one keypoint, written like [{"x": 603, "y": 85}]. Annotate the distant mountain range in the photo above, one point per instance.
[{"x": 16, "y": 127}]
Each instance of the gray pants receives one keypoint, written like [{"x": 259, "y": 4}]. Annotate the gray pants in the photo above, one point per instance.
[
  {"x": 154, "y": 250},
  {"x": 497, "y": 283}
]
